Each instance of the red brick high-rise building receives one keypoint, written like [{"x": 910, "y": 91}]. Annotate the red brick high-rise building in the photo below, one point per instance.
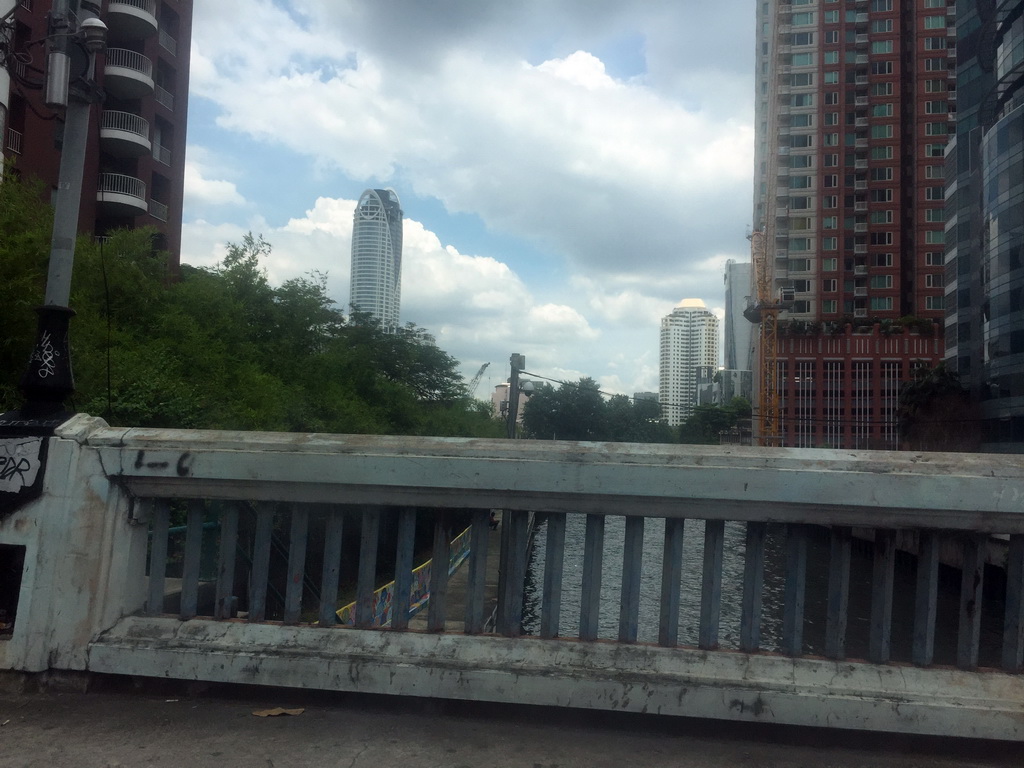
[
  {"x": 854, "y": 104},
  {"x": 135, "y": 159}
]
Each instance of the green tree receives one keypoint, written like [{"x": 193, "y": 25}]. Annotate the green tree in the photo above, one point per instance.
[
  {"x": 708, "y": 421},
  {"x": 935, "y": 413}
]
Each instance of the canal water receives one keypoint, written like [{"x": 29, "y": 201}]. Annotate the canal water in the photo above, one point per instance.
[{"x": 774, "y": 583}]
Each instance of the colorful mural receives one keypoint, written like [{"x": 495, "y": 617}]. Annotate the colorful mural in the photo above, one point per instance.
[{"x": 419, "y": 594}]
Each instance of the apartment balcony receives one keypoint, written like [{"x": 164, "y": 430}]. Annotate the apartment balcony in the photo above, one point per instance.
[
  {"x": 860, "y": 101},
  {"x": 860, "y": 205},
  {"x": 860, "y": 312},
  {"x": 860, "y": 227},
  {"x": 164, "y": 97},
  {"x": 860, "y": 80},
  {"x": 168, "y": 43},
  {"x": 127, "y": 74},
  {"x": 860, "y": 163},
  {"x": 14, "y": 139},
  {"x": 861, "y": 58},
  {"x": 158, "y": 210},
  {"x": 861, "y": 142},
  {"x": 860, "y": 270},
  {"x": 121, "y": 195},
  {"x": 131, "y": 19},
  {"x": 123, "y": 134},
  {"x": 860, "y": 184},
  {"x": 860, "y": 40},
  {"x": 161, "y": 154},
  {"x": 860, "y": 292},
  {"x": 860, "y": 122},
  {"x": 860, "y": 248}
]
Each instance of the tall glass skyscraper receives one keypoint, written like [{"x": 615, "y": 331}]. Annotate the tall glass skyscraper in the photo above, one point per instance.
[{"x": 375, "y": 285}]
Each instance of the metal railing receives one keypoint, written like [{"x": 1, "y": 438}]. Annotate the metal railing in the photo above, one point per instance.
[
  {"x": 14, "y": 140},
  {"x": 164, "y": 97},
  {"x": 125, "y": 121},
  {"x": 162, "y": 154},
  {"x": 158, "y": 210},
  {"x": 148, "y": 6},
  {"x": 121, "y": 184},
  {"x": 126, "y": 59},
  {"x": 168, "y": 43}
]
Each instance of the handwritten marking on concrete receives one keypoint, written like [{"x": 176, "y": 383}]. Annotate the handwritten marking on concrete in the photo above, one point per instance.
[{"x": 19, "y": 463}]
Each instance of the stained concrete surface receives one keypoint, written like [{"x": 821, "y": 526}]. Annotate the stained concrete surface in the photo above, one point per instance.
[{"x": 184, "y": 727}]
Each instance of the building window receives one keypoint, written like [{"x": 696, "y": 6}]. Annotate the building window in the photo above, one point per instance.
[
  {"x": 934, "y": 172},
  {"x": 934, "y": 258},
  {"x": 934, "y": 150},
  {"x": 881, "y": 26},
  {"x": 881, "y": 303},
  {"x": 830, "y": 285},
  {"x": 881, "y": 238},
  {"x": 801, "y": 140},
  {"x": 831, "y": 78},
  {"x": 881, "y": 153},
  {"x": 881, "y": 217},
  {"x": 800, "y": 243},
  {"x": 831, "y": 161},
  {"x": 803, "y": 38},
  {"x": 881, "y": 6},
  {"x": 799, "y": 265},
  {"x": 831, "y": 17},
  {"x": 883, "y": 259},
  {"x": 935, "y": 65},
  {"x": 829, "y": 201},
  {"x": 831, "y": 37},
  {"x": 830, "y": 264},
  {"x": 935, "y": 86},
  {"x": 801, "y": 161},
  {"x": 881, "y": 110},
  {"x": 830, "y": 244},
  {"x": 934, "y": 193},
  {"x": 802, "y": 100},
  {"x": 881, "y": 282},
  {"x": 831, "y": 139},
  {"x": 935, "y": 43},
  {"x": 934, "y": 302},
  {"x": 933, "y": 280},
  {"x": 802, "y": 19},
  {"x": 935, "y": 215},
  {"x": 802, "y": 78},
  {"x": 832, "y": 97},
  {"x": 881, "y": 68},
  {"x": 831, "y": 180},
  {"x": 935, "y": 237},
  {"x": 829, "y": 306},
  {"x": 802, "y": 59},
  {"x": 881, "y": 195},
  {"x": 881, "y": 89},
  {"x": 935, "y": 107},
  {"x": 831, "y": 57},
  {"x": 881, "y": 46}
]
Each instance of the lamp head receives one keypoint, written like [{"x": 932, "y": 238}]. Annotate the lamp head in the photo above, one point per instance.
[{"x": 94, "y": 35}]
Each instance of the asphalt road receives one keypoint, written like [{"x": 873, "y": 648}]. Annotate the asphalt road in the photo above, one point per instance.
[{"x": 179, "y": 727}]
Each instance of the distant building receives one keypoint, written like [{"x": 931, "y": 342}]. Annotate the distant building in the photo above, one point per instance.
[
  {"x": 738, "y": 336},
  {"x": 689, "y": 339},
  {"x": 134, "y": 172},
  {"x": 375, "y": 285},
  {"x": 732, "y": 384},
  {"x": 637, "y": 396}
]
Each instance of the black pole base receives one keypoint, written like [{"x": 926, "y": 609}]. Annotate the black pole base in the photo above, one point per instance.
[{"x": 48, "y": 381}]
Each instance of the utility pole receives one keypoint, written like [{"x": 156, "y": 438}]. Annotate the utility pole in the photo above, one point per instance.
[
  {"x": 73, "y": 43},
  {"x": 518, "y": 363}
]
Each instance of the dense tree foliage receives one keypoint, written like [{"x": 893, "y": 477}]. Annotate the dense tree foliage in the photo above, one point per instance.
[
  {"x": 708, "y": 421},
  {"x": 579, "y": 411},
  {"x": 221, "y": 347}
]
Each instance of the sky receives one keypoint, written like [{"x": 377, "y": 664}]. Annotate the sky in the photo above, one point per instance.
[{"x": 569, "y": 170}]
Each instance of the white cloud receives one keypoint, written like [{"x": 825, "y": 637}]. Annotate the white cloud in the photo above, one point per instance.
[{"x": 637, "y": 185}]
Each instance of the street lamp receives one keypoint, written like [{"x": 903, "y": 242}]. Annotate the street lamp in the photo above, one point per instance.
[{"x": 73, "y": 44}]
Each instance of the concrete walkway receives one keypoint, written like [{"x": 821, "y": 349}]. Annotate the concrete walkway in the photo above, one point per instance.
[{"x": 167, "y": 728}]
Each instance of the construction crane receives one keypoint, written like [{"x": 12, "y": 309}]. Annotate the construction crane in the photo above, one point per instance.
[
  {"x": 475, "y": 381},
  {"x": 764, "y": 308}
]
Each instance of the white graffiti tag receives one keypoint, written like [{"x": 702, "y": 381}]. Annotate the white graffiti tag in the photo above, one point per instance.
[{"x": 46, "y": 355}]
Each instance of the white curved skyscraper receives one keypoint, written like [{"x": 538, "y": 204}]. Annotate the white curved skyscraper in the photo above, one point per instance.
[
  {"x": 689, "y": 339},
  {"x": 375, "y": 285}
]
